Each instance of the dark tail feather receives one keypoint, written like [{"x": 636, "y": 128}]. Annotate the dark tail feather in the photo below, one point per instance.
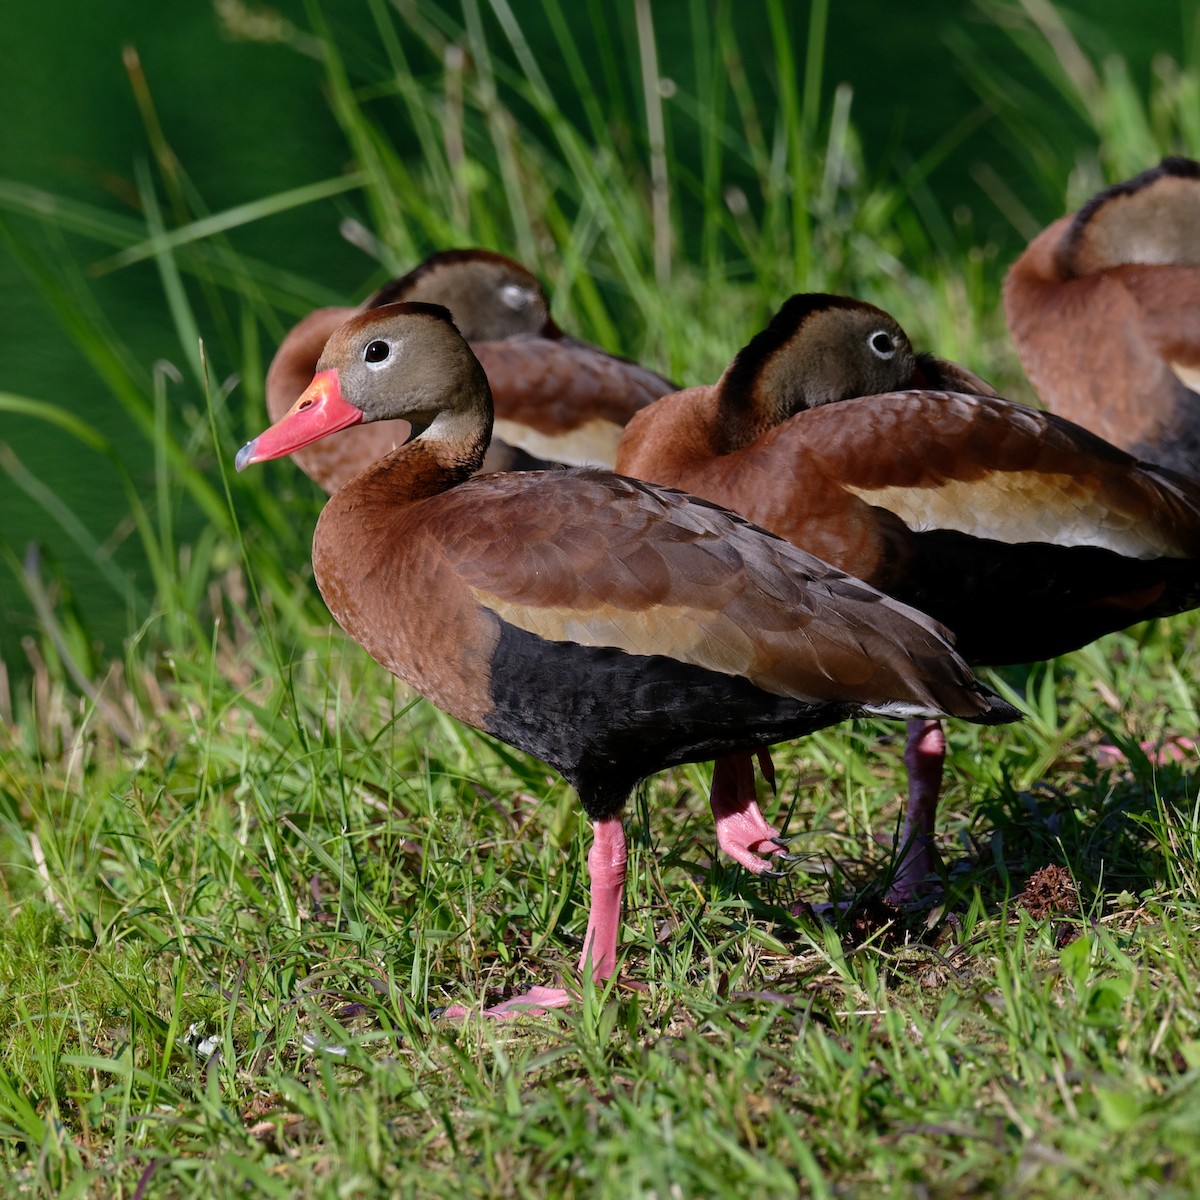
[{"x": 998, "y": 712}]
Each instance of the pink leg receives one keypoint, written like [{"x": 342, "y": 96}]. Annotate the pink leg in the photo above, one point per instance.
[
  {"x": 923, "y": 756},
  {"x": 606, "y": 865},
  {"x": 742, "y": 830}
]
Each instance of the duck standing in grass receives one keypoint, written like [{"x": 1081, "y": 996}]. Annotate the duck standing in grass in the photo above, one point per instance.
[
  {"x": 610, "y": 627},
  {"x": 1104, "y": 310},
  {"x": 558, "y": 401},
  {"x": 1024, "y": 534}
]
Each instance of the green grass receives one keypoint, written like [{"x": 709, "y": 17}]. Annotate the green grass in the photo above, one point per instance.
[
  {"x": 243, "y": 868},
  {"x": 296, "y": 876}
]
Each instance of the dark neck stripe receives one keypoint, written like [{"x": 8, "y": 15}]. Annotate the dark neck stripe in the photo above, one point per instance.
[{"x": 742, "y": 373}]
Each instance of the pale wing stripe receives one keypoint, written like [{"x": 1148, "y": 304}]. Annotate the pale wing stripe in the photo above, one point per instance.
[
  {"x": 592, "y": 444},
  {"x": 1066, "y": 514},
  {"x": 1188, "y": 376}
]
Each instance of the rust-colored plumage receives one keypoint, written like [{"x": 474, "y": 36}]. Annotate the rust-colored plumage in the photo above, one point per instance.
[
  {"x": 1104, "y": 310},
  {"x": 558, "y": 401},
  {"x": 1026, "y": 535},
  {"x": 608, "y": 626}
]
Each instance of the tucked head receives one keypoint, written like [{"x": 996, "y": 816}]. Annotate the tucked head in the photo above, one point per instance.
[
  {"x": 402, "y": 361},
  {"x": 489, "y": 296},
  {"x": 819, "y": 349},
  {"x": 1152, "y": 219}
]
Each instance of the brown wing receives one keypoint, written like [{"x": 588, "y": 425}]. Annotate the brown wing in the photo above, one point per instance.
[
  {"x": 988, "y": 468},
  {"x": 598, "y": 560},
  {"x": 970, "y": 508},
  {"x": 564, "y": 401}
]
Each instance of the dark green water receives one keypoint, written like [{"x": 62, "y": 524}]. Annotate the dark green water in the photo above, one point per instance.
[
  {"x": 246, "y": 120},
  {"x": 251, "y": 119}
]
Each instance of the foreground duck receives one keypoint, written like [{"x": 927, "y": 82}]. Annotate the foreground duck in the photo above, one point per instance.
[
  {"x": 558, "y": 401},
  {"x": 1024, "y": 534},
  {"x": 1104, "y": 311},
  {"x": 609, "y": 627}
]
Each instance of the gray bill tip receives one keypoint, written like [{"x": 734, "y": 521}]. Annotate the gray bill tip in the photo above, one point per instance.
[{"x": 245, "y": 456}]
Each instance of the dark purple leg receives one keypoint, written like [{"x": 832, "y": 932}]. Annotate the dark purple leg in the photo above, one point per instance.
[{"x": 924, "y": 756}]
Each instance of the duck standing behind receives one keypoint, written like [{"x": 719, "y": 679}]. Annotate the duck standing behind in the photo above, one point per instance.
[
  {"x": 1104, "y": 311},
  {"x": 558, "y": 401},
  {"x": 1024, "y": 534}
]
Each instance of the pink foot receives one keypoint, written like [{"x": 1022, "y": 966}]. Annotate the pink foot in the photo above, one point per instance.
[
  {"x": 606, "y": 865},
  {"x": 742, "y": 830},
  {"x": 1173, "y": 748},
  {"x": 924, "y": 756},
  {"x": 536, "y": 1002}
]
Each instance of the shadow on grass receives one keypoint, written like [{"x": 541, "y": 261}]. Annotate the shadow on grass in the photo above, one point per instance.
[
  {"x": 1111, "y": 827},
  {"x": 1123, "y": 832}
]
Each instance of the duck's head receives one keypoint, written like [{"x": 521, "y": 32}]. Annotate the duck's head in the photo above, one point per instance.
[
  {"x": 401, "y": 361},
  {"x": 1152, "y": 219},
  {"x": 818, "y": 349},
  {"x": 490, "y": 297}
]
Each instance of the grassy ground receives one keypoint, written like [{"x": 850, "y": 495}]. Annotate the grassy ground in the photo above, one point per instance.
[{"x": 242, "y": 868}]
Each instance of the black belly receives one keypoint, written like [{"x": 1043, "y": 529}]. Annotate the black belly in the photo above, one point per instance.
[
  {"x": 606, "y": 719},
  {"x": 1032, "y": 600}
]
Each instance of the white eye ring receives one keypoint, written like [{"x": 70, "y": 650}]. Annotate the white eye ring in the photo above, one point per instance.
[
  {"x": 513, "y": 296},
  {"x": 882, "y": 344},
  {"x": 378, "y": 363}
]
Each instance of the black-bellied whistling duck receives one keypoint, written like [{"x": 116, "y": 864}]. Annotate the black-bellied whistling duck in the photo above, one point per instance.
[
  {"x": 609, "y": 627},
  {"x": 1104, "y": 311},
  {"x": 558, "y": 401},
  {"x": 1026, "y": 535}
]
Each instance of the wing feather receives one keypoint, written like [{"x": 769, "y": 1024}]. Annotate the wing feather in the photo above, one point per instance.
[
  {"x": 562, "y": 400},
  {"x": 604, "y": 561},
  {"x": 985, "y": 467}
]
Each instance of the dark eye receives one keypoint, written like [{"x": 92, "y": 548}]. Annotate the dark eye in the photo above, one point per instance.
[
  {"x": 376, "y": 351},
  {"x": 882, "y": 344}
]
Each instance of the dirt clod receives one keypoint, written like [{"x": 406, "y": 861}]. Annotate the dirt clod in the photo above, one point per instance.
[{"x": 1050, "y": 891}]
